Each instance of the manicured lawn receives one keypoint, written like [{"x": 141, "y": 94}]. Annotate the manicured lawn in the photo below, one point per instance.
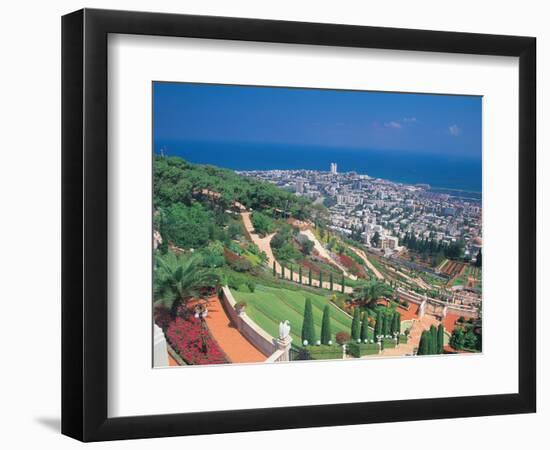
[{"x": 268, "y": 306}]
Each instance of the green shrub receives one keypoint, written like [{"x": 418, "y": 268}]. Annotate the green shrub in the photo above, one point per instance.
[
  {"x": 324, "y": 352},
  {"x": 357, "y": 350},
  {"x": 262, "y": 223}
]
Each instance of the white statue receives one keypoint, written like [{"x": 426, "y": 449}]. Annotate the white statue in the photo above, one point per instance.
[{"x": 284, "y": 329}]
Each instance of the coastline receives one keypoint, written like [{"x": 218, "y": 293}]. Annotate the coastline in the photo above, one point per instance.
[{"x": 459, "y": 175}]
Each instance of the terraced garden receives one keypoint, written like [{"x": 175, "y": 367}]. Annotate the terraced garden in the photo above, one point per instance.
[{"x": 268, "y": 306}]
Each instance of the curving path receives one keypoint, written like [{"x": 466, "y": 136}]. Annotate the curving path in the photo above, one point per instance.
[
  {"x": 324, "y": 253},
  {"x": 370, "y": 265},
  {"x": 264, "y": 244}
]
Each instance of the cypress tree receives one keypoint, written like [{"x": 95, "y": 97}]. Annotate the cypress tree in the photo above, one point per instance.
[
  {"x": 320, "y": 279},
  {"x": 343, "y": 284},
  {"x": 365, "y": 328},
  {"x": 387, "y": 324},
  {"x": 433, "y": 340},
  {"x": 309, "y": 277},
  {"x": 331, "y": 283},
  {"x": 356, "y": 324},
  {"x": 424, "y": 346},
  {"x": 308, "y": 328},
  {"x": 379, "y": 326},
  {"x": 300, "y": 274},
  {"x": 440, "y": 336},
  {"x": 396, "y": 323},
  {"x": 274, "y": 269},
  {"x": 326, "y": 333},
  {"x": 282, "y": 272},
  {"x": 291, "y": 273}
]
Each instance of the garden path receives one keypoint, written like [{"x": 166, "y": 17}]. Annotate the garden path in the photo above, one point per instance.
[
  {"x": 419, "y": 325},
  {"x": 324, "y": 253},
  {"x": 264, "y": 244},
  {"x": 237, "y": 348},
  {"x": 370, "y": 265}
]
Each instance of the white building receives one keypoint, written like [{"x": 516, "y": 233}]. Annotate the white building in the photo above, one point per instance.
[{"x": 333, "y": 168}]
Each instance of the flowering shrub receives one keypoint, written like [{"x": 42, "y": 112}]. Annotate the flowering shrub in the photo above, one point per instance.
[
  {"x": 162, "y": 316},
  {"x": 352, "y": 266},
  {"x": 186, "y": 338},
  {"x": 342, "y": 337},
  {"x": 309, "y": 265}
]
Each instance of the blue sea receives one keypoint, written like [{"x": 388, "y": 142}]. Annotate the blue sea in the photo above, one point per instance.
[{"x": 412, "y": 167}]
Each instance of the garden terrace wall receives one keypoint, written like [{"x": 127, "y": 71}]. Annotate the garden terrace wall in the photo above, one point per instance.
[
  {"x": 248, "y": 328},
  {"x": 417, "y": 299}
]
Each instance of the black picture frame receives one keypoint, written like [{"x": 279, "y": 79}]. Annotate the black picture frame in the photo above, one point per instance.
[{"x": 84, "y": 224}]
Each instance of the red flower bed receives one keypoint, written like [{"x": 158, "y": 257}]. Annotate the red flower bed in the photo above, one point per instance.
[
  {"x": 352, "y": 266},
  {"x": 186, "y": 338},
  {"x": 309, "y": 265},
  {"x": 347, "y": 262}
]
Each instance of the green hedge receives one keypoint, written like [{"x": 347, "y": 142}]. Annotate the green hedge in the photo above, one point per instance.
[
  {"x": 324, "y": 351},
  {"x": 358, "y": 350}
]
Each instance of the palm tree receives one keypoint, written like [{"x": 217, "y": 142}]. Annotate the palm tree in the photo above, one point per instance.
[
  {"x": 177, "y": 279},
  {"x": 372, "y": 291}
]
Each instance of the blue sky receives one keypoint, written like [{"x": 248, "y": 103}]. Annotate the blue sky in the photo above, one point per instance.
[{"x": 438, "y": 124}]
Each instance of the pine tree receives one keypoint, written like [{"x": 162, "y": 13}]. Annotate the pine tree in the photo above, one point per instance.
[
  {"x": 440, "y": 335},
  {"x": 283, "y": 272},
  {"x": 309, "y": 277},
  {"x": 331, "y": 283},
  {"x": 300, "y": 274},
  {"x": 326, "y": 333},
  {"x": 320, "y": 279},
  {"x": 291, "y": 273},
  {"x": 274, "y": 269},
  {"x": 343, "y": 284},
  {"x": 356, "y": 324},
  {"x": 365, "y": 328},
  {"x": 308, "y": 328}
]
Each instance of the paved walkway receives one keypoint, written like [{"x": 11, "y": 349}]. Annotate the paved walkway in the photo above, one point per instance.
[
  {"x": 419, "y": 325},
  {"x": 450, "y": 321},
  {"x": 264, "y": 244},
  {"x": 237, "y": 348}
]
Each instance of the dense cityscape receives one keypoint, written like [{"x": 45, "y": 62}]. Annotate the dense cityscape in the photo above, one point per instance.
[{"x": 381, "y": 213}]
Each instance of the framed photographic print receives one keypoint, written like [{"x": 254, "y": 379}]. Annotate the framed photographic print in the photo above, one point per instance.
[{"x": 273, "y": 224}]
